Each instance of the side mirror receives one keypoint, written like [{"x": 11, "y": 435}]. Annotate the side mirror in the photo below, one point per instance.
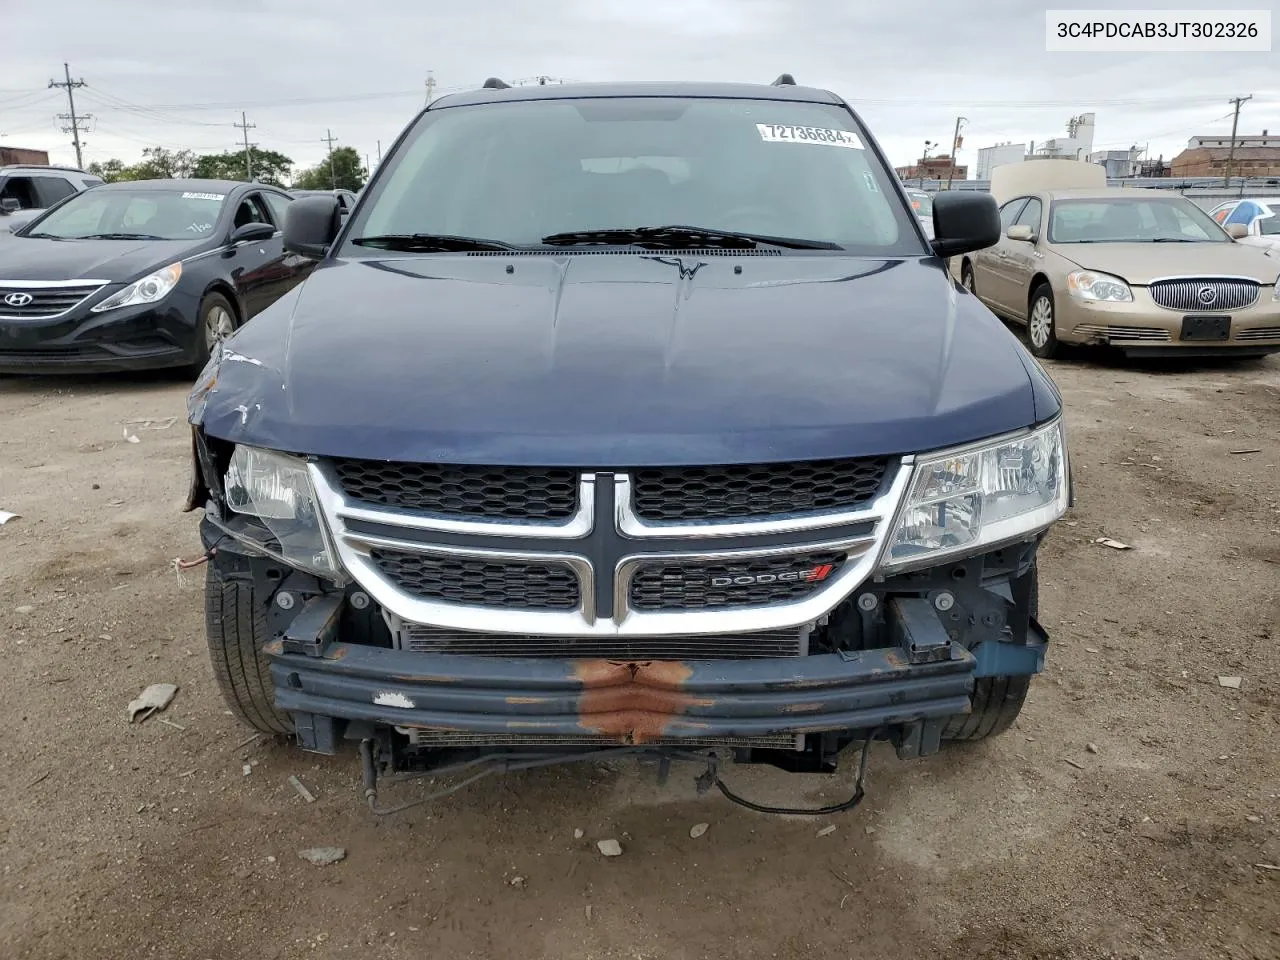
[
  {"x": 964, "y": 221},
  {"x": 252, "y": 232},
  {"x": 310, "y": 224},
  {"x": 1019, "y": 231},
  {"x": 9, "y": 205},
  {"x": 1236, "y": 230}
]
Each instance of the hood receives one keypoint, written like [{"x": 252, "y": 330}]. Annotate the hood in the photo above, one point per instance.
[
  {"x": 622, "y": 360},
  {"x": 31, "y": 258},
  {"x": 1141, "y": 263}
]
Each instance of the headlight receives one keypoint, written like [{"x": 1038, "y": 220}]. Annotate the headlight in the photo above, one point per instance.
[
  {"x": 1275, "y": 291},
  {"x": 981, "y": 496},
  {"x": 276, "y": 489},
  {"x": 149, "y": 289},
  {"x": 1087, "y": 285}
]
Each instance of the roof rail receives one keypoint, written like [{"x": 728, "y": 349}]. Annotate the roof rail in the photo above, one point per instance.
[
  {"x": 784, "y": 80},
  {"x": 493, "y": 83}
]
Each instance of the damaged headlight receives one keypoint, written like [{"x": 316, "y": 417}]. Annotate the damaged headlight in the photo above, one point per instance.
[
  {"x": 981, "y": 496},
  {"x": 276, "y": 489}
]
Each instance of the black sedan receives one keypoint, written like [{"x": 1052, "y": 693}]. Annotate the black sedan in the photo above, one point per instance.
[{"x": 142, "y": 274}]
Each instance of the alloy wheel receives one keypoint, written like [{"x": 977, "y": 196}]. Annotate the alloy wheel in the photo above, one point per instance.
[{"x": 1041, "y": 322}]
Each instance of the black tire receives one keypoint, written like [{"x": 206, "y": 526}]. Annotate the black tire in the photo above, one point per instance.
[
  {"x": 236, "y": 628},
  {"x": 966, "y": 278},
  {"x": 217, "y": 319},
  {"x": 1048, "y": 347},
  {"x": 997, "y": 701}
]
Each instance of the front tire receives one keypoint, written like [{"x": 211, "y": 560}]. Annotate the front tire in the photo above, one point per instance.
[
  {"x": 1042, "y": 323},
  {"x": 236, "y": 629},
  {"x": 997, "y": 701},
  {"x": 966, "y": 277},
  {"x": 216, "y": 321}
]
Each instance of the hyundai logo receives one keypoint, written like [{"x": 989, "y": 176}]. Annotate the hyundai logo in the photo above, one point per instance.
[
  {"x": 18, "y": 299},
  {"x": 1206, "y": 295}
]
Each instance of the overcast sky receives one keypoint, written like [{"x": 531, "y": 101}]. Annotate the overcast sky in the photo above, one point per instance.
[{"x": 178, "y": 74}]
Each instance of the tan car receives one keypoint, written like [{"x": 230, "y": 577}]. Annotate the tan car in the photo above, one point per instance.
[{"x": 1142, "y": 270}]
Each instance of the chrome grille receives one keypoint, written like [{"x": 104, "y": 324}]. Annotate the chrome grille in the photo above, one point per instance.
[
  {"x": 499, "y": 493},
  {"x": 694, "y": 585},
  {"x": 1121, "y": 333},
  {"x": 485, "y": 583},
  {"x": 437, "y": 738},
  {"x": 1259, "y": 333},
  {"x": 1208, "y": 295},
  {"x": 47, "y": 301},
  {"x": 420, "y": 638},
  {"x": 754, "y": 490}
]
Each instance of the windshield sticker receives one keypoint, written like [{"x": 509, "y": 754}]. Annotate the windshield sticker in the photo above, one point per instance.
[
  {"x": 779, "y": 133},
  {"x": 204, "y": 196},
  {"x": 200, "y": 227},
  {"x": 870, "y": 181}
]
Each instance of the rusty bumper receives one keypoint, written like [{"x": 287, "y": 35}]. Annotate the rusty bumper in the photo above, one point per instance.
[{"x": 624, "y": 701}]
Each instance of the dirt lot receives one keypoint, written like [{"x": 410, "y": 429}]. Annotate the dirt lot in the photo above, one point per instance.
[{"x": 1124, "y": 817}]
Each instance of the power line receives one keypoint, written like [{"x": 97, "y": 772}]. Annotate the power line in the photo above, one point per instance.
[
  {"x": 245, "y": 126},
  {"x": 69, "y": 85}
]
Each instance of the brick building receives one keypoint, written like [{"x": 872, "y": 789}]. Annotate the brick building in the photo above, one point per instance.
[
  {"x": 1255, "y": 156},
  {"x": 933, "y": 168}
]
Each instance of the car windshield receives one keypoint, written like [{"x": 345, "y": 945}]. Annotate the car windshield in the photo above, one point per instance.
[
  {"x": 516, "y": 173},
  {"x": 921, "y": 203},
  {"x": 126, "y": 214},
  {"x": 1132, "y": 220}
]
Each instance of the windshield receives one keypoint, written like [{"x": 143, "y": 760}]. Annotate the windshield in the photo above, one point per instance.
[
  {"x": 515, "y": 173},
  {"x": 1132, "y": 220},
  {"x": 153, "y": 214},
  {"x": 921, "y": 203}
]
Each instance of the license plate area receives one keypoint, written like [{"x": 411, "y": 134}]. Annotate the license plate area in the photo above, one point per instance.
[{"x": 1202, "y": 328}]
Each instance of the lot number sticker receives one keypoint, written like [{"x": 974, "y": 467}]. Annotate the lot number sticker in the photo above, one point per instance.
[
  {"x": 204, "y": 196},
  {"x": 776, "y": 133}
]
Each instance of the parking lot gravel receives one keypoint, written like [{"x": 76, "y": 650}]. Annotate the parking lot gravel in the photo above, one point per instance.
[{"x": 1133, "y": 812}]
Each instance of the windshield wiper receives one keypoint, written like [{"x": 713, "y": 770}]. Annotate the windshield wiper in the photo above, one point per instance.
[
  {"x": 437, "y": 242},
  {"x": 118, "y": 236},
  {"x": 1175, "y": 240},
  {"x": 677, "y": 236}
]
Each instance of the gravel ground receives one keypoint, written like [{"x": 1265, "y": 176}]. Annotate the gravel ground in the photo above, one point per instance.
[{"x": 1124, "y": 816}]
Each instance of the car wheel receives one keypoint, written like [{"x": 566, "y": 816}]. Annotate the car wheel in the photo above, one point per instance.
[
  {"x": 997, "y": 701},
  {"x": 966, "y": 278},
  {"x": 1040, "y": 324},
  {"x": 236, "y": 627},
  {"x": 217, "y": 322}
]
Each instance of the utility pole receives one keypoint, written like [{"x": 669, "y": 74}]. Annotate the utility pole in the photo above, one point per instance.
[
  {"x": 245, "y": 126},
  {"x": 69, "y": 85},
  {"x": 329, "y": 139},
  {"x": 924, "y": 157},
  {"x": 379, "y": 153},
  {"x": 955, "y": 146},
  {"x": 1235, "y": 120},
  {"x": 431, "y": 87}
]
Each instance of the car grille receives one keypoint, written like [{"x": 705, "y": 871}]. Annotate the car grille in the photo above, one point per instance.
[
  {"x": 697, "y": 585},
  {"x": 488, "y": 583},
  {"x": 1190, "y": 295},
  {"x": 1121, "y": 333},
  {"x": 754, "y": 490},
  {"x": 499, "y": 493},
  {"x": 420, "y": 638},
  {"x": 45, "y": 302},
  {"x": 1259, "y": 333}
]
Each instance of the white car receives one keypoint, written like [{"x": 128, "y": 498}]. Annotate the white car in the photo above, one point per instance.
[{"x": 1260, "y": 217}]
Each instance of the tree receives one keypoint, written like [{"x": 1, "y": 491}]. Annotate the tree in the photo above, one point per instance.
[
  {"x": 109, "y": 170},
  {"x": 341, "y": 169},
  {"x": 161, "y": 164},
  {"x": 268, "y": 166}
]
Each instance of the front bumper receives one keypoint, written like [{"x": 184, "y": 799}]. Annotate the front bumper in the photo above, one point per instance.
[
  {"x": 1143, "y": 327},
  {"x": 919, "y": 683},
  {"x": 130, "y": 338}
]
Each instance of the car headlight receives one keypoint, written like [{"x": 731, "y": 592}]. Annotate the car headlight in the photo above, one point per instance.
[
  {"x": 276, "y": 489},
  {"x": 1095, "y": 287},
  {"x": 1275, "y": 291},
  {"x": 981, "y": 496},
  {"x": 150, "y": 289}
]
